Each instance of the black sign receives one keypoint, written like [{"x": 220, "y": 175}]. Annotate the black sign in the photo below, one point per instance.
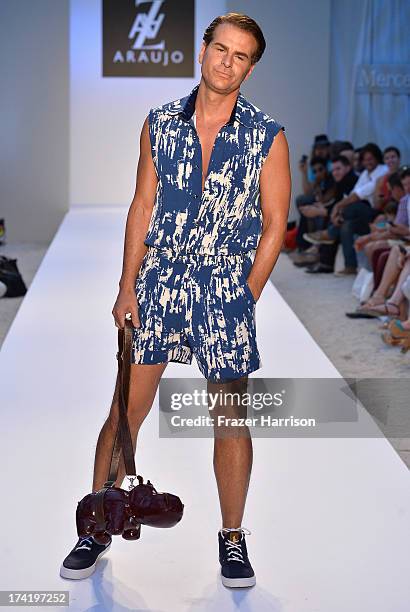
[{"x": 148, "y": 38}]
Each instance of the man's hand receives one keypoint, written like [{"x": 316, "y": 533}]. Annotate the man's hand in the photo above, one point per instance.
[
  {"x": 126, "y": 302},
  {"x": 336, "y": 214},
  {"x": 322, "y": 210},
  {"x": 313, "y": 210}
]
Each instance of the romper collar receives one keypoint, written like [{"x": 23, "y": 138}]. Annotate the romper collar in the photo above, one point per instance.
[{"x": 185, "y": 107}]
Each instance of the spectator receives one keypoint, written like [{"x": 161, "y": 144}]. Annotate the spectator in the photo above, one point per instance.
[
  {"x": 377, "y": 305},
  {"x": 382, "y": 195},
  {"x": 320, "y": 149},
  {"x": 357, "y": 161},
  {"x": 345, "y": 180},
  {"x": 395, "y": 273},
  {"x": 349, "y": 153},
  {"x": 352, "y": 214},
  {"x": 342, "y": 147},
  {"x": 323, "y": 191},
  {"x": 394, "y": 228}
]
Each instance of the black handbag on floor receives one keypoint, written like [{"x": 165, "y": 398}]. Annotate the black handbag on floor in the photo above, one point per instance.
[
  {"x": 112, "y": 510},
  {"x": 11, "y": 277}
]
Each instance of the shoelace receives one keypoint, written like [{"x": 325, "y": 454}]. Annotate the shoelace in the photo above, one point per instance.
[
  {"x": 82, "y": 544},
  {"x": 234, "y": 550}
]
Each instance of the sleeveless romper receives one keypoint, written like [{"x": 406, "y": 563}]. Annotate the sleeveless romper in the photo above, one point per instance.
[{"x": 192, "y": 290}]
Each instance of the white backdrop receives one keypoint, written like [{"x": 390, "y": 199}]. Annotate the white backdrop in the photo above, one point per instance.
[{"x": 378, "y": 34}]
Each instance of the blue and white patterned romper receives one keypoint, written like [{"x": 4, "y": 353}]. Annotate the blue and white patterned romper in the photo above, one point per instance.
[{"x": 191, "y": 289}]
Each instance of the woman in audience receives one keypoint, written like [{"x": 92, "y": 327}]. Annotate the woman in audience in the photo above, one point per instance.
[
  {"x": 377, "y": 304},
  {"x": 395, "y": 273},
  {"x": 398, "y": 332},
  {"x": 384, "y": 227}
]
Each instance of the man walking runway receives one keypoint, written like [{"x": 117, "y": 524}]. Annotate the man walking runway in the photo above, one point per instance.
[{"x": 213, "y": 184}]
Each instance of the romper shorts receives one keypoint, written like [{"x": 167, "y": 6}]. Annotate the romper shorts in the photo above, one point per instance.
[{"x": 196, "y": 304}]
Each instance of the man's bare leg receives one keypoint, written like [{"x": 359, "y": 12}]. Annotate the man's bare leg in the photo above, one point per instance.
[
  {"x": 233, "y": 454},
  {"x": 144, "y": 380}
]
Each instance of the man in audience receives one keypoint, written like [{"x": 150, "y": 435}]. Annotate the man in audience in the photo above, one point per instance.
[
  {"x": 352, "y": 214},
  {"x": 345, "y": 180},
  {"x": 323, "y": 191},
  {"x": 357, "y": 161},
  {"x": 348, "y": 151},
  {"x": 342, "y": 147},
  {"x": 382, "y": 194},
  {"x": 320, "y": 148}
]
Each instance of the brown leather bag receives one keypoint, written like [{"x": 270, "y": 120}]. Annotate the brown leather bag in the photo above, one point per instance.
[{"x": 113, "y": 510}]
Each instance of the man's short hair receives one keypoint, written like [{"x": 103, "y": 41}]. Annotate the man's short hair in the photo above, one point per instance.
[
  {"x": 342, "y": 159},
  {"x": 347, "y": 145},
  {"x": 394, "y": 180},
  {"x": 395, "y": 149},
  {"x": 244, "y": 22},
  {"x": 404, "y": 172}
]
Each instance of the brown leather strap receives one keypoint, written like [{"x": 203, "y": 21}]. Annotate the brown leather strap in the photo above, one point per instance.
[{"x": 123, "y": 438}]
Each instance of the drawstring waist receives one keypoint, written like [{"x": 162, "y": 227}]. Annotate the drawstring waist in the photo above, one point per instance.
[{"x": 204, "y": 258}]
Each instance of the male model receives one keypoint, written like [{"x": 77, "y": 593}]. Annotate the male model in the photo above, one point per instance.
[{"x": 213, "y": 184}]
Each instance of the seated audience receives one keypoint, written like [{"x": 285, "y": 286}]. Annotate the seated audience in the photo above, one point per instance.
[
  {"x": 323, "y": 191},
  {"x": 352, "y": 214},
  {"x": 377, "y": 305},
  {"x": 382, "y": 194},
  {"x": 395, "y": 273},
  {"x": 345, "y": 180},
  {"x": 384, "y": 227},
  {"x": 357, "y": 161},
  {"x": 320, "y": 149}
]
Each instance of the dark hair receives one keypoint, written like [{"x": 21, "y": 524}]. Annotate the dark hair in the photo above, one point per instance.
[
  {"x": 335, "y": 148},
  {"x": 318, "y": 160},
  {"x": 347, "y": 145},
  {"x": 404, "y": 172},
  {"x": 391, "y": 207},
  {"x": 395, "y": 149},
  {"x": 394, "y": 180},
  {"x": 342, "y": 159},
  {"x": 244, "y": 23},
  {"x": 374, "y": 150}
]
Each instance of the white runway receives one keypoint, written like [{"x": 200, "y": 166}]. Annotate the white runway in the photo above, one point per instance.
[{"x": 330, "y": 518}]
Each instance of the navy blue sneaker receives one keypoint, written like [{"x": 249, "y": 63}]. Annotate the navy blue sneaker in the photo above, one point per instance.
[
  {"x": 82, "y": 559},
  {"x": 236, "y": 570}
]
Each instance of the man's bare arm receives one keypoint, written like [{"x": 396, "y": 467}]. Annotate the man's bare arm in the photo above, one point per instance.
[
  {"x": 139, "y": 213},
  {"x": 275, "y": 189},
  {"x": 138, "y": 219}
]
